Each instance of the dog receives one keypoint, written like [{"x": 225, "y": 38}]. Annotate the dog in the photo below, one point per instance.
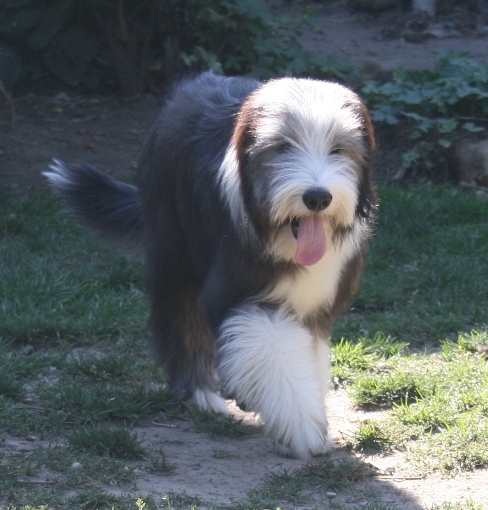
[{"x": 253, "y": 209}]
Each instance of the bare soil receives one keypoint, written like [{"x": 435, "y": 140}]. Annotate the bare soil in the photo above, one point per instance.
[{"x": 108, "y": 132}]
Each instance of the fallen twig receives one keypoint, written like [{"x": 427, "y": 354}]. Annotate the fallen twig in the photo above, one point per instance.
[
  {"x": 393, "y": 477},
  {"x": 166, "y": 425}
]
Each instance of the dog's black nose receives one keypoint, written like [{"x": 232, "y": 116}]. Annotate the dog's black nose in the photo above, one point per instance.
[{"x": 317, "y": 199}]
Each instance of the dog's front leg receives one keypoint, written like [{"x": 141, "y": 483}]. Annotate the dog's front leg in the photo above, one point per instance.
[{"x": 271, "y": 363}]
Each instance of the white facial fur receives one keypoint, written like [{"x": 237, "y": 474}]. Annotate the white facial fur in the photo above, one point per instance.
[{"x": 307, "y": 134}]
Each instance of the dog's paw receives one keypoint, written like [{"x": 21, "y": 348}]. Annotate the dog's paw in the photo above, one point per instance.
[
  {"x": 269, "y": 363},
  {"x": 208, "y": 400},
  {"x": 324, "y": 447},
  {"x": 309, "y": 439}
]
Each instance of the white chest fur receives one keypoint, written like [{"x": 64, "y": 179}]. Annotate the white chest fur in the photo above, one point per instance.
[{"x": 315, "y": 286}]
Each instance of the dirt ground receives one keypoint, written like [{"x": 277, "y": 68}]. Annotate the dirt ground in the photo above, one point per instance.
[
  {"x": 108, "y": 132},
  {"x": 222, "y": 470}
]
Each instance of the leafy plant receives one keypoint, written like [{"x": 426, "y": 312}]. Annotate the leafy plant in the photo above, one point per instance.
[
  {"x": 101, "y": 43},
  {"x": 432, "y": 108}
]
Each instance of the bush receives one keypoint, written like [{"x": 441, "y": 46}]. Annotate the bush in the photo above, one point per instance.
[
  {"x": 432, "y": 108},
  {"x": 99, "y": 44}
]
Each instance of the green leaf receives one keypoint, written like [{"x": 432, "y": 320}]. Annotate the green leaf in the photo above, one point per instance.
[
  {"x": 447, "y": 125},
  {"x": 52, "y": 22},
  {"x": 409, "y": 158},
  {"x": 385, "y": 114},
  {"x": 472, "y": 127},
  {"x": 424, "y": 124}
]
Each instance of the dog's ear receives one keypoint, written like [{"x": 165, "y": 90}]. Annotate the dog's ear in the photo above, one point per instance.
[
  {"x": 244, "y": 140},
  {"x": 367, "y": 195},
  {"x": 244, "y": 131},
  {"x": 368, "y": 127}
]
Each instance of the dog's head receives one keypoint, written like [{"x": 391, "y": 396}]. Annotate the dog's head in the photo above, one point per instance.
[{"x": 297, "y": 175}]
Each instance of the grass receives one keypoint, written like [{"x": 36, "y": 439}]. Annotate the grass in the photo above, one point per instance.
[
  {"x": 440, "y": 401},
  {"x": 427, "y": 270},
  {"x": 76, "y": 375},
  {"x": 468, "y": 505},
  {"x": 108, "y": 441},
  {"x": 310, "y": 483},
  {"x": 218, "y": 425},
  {"x": 362, "y": 354},
  {"x": 370, "y": 436},
  {"x": 59, "y": 283}
]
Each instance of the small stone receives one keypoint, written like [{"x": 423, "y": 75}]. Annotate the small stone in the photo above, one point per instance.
[
  {"x": 76, "y": 466},
  {"x": 331, "y": 495},
  {"x": 62, "y": 96},
  {"x": 470, "y": 161}
]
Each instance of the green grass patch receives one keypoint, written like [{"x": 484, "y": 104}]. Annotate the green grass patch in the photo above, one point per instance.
[
  {"x": 389, "y": 386},
  {"x": 217, "y": 425},
  {"x": 466, "y": 505},
  {"x": 46, "y": 475},
  {"x": 460, "y": 447},
  {"x": 104, "y": 402},
  {"x": 10, "y": 387},
  {"x": 119, "y": 443},
  {"x": 97, "y": 499},
  {"x": 438, "y": 406},
  {"x": 112, "y": 368},
  {"x": 370, "y": 437},
  {"x": 349, "y": 357},
  {"x": 58, "y": 281},
  {"x": 16, "y": 367},
  {"x": 427, "y": 270},
  {"x": 76, "y": 467},
  {"x": 308, "y": 485}
]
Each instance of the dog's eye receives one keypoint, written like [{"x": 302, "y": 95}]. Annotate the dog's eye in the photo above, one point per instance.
[
  {"x": 283, "y": 147},
  {"x": 336, "y": 151}
]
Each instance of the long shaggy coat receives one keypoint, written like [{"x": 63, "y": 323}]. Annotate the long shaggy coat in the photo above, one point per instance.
[{"x": 253, "y": 210}]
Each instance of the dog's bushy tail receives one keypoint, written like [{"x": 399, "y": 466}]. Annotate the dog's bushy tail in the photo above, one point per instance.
[{"x": 111, "y": 208}]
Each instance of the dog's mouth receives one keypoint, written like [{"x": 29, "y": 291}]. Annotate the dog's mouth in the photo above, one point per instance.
[
  {"x": 294, "y": 227},
  {"x": 309, "y": 231}
]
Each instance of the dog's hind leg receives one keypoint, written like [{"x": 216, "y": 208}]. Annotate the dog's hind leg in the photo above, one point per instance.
[
  {"x": 270, "y": 362},
  {"x": 183, "y": 343}
]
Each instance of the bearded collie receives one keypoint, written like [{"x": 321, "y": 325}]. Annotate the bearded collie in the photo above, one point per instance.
[{"x": 253, "y": 210}]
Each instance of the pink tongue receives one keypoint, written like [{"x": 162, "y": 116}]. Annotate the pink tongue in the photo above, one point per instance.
[{"x": 311, "y": 241}]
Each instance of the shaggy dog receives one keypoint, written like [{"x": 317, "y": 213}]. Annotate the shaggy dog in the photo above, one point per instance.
[{"x": 253, "y": 211}]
